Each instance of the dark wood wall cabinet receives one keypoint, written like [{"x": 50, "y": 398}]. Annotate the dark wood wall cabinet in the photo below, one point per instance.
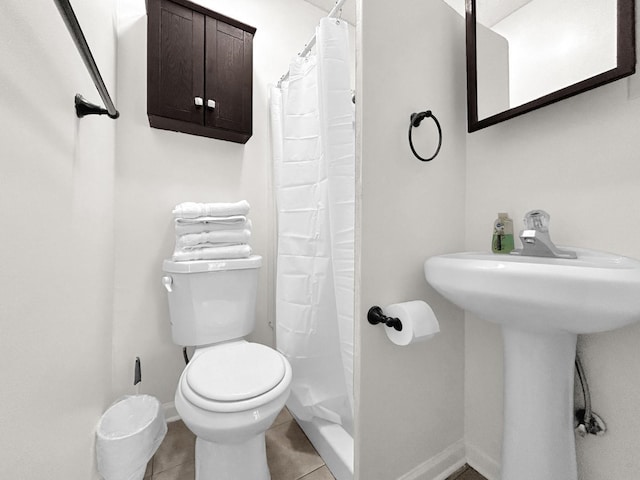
[{"x": 199, "y": 71}]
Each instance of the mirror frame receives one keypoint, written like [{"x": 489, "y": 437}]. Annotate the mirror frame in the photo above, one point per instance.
[{"x": 626, "y": 65}]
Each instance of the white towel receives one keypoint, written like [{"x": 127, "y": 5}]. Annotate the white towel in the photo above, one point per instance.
[
  {"x": 195, "y": 210},
  {"x": 200, "y": 246},
  {"x": 230, "y": 220},
  {"x": 212, "y": 238},
  {"x": 188, "y": 226},
  {"x": 213, "y": 253}
]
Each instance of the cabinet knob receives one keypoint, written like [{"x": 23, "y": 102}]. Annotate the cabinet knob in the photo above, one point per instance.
[
  {"x": 211, "y": 103},
  {"x": 198, "y": 101}
]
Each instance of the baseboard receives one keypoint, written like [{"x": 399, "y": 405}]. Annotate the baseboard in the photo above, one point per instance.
[
  {"x": 441, "y": 466},
  {"x": 170, "y": 412},
  {"x": 483, "y": 463}
]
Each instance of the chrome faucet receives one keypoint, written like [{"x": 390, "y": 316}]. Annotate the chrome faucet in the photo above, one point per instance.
[{"x": 535, "y": 238}]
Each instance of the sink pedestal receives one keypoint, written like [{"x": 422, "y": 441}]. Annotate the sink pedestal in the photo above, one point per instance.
[
  {"x": 538, "y": 438},
  {"x": 542, "y": 304}
]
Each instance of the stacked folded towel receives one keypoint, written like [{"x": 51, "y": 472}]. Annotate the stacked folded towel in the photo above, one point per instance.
[{"x": 210, "y": 231}]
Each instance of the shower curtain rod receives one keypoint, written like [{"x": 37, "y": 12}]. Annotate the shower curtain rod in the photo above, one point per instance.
[
  {"x": 335, "y": 11},
  {"x": 82, "y": 106}
]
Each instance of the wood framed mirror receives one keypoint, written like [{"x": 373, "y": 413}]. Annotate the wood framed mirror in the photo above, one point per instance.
[{"x": 525, "y": 54}]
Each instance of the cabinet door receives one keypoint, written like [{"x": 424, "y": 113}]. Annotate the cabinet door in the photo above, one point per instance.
[
  {"x": 176, "y": 62},
  {"x": 228, "y": 76}
]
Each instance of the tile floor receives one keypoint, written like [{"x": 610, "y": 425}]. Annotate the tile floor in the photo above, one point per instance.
[
  {"x": 289, "y": 453},
  {"x": 466, "y": 473}
]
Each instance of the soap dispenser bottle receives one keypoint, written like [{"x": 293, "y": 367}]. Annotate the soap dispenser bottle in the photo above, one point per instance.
[{"x": 502, "y": 241}]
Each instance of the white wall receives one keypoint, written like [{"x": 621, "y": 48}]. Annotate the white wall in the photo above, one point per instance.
[
  {"x": 57, "y": 244},
  {"x": 409, "y": 399},
  {"x": 578, "y": 160},
  {"x": 157, "y": 169}
]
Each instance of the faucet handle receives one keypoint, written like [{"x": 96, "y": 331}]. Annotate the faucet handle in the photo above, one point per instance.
[{"x": 537, "y": 220}]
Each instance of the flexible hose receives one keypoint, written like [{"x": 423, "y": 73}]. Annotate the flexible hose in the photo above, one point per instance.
[
  {"x": 185, "y": 356},
  {"x": 585, "y": 391}
]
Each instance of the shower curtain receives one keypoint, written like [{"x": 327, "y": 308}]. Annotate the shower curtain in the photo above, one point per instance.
[{"x": 313, "y": 141}]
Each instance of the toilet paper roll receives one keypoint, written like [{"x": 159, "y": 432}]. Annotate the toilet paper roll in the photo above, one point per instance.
[{"x": 419, "y": 323}]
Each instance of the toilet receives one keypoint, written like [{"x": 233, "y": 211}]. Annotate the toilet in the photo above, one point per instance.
[{"x": 231, "y": 390}]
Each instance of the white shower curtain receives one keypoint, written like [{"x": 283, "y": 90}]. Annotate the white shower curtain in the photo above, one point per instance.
[{"x": 313, "y": 138}]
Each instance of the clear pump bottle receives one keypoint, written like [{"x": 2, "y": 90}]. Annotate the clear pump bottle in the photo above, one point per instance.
[{"x": 502, "y": 241}]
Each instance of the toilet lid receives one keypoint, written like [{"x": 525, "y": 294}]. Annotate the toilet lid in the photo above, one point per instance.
[{"x": 235, "y": 371}]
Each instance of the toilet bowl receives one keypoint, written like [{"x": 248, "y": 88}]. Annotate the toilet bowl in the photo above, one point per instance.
[
  {"x": 228, "y": 396},
  {"x": 231, "y": 390}
]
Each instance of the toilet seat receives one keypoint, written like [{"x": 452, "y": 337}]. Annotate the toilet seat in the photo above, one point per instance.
[
  {"x": 235, "y": 376},
  {"x": 235, "y": 372}
]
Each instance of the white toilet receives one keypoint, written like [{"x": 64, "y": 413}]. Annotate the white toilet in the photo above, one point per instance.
[{"x": 231, "y": 391}]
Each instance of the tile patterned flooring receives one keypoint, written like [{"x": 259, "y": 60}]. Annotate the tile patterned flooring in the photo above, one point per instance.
[
  {"x": 466, "y": 473},
  {"x": 289, "y": 453}
]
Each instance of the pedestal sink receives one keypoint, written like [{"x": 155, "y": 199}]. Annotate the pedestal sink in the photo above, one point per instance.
[{"x": 542, "y": 305}]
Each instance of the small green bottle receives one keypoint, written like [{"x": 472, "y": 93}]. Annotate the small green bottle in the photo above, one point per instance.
[{"x": 502, "y": 241}]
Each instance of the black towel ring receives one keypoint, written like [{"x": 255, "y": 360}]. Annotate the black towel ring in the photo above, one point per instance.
[{"x": 416, "y": 120}]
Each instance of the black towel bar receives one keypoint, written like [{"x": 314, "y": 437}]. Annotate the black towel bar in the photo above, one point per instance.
[{"x": 82, "y": 106}]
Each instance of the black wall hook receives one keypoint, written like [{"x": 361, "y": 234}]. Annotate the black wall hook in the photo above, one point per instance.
[
  {"x": 137, "y": 372},
  {"x": 415, "y": 121},
  {"x": 376, "y": 316}
]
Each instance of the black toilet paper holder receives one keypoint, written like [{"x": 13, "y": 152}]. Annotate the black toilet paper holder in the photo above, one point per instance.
[{"x": 376, "y": 316}]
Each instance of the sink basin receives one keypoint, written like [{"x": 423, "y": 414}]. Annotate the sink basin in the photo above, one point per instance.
[
  {"x": 596, "y": 292},
  {"x": 542, "y": 305}
]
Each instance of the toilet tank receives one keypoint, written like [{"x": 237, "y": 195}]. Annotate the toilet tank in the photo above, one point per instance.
[{"x": 211, "y": 301}]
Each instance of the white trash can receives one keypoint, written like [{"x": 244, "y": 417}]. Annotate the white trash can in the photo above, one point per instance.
[{"x": 128, "y": 434}]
